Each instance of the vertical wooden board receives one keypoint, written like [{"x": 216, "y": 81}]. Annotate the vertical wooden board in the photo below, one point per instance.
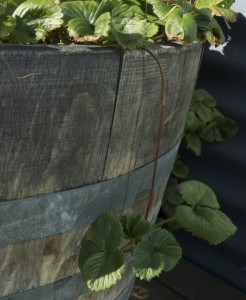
[
  {"x": 189, "y": 59},
  {"x": 128, "y": 108},
  {"x": 180, "y": 66},
  {"x": 55, "y": 121},
  {"x": 139, "y": 183},
  {"x": 136, "y": 120},
  {"x": 39, "y": 262},
  {"x": 144, "y": 145}
]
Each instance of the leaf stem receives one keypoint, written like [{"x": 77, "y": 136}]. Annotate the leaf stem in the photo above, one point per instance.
[
  {"x": 160, "y": 36},
  {"x": 160, "y": 128},
  {"x": 170, "y": 11},
  {"x": 165, "y": 221}
]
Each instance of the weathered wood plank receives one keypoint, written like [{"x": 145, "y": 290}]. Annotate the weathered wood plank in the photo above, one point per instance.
[
  {"x": 32, "y": 264},
  {"x": 189, "y": 61},
  {"x": 64, "y": 138},
  {"x": 74, "y": 288},
  {"x": 195, "y": 283},
  {"x": 54, "y": 124},
  {"x": 49, "y": 259},
  {"x": 53, "y": 213},
  {"x": 38, "y": 262},
  {"x": 136, "y": 119},
  {"x": 139, "y": 184}
]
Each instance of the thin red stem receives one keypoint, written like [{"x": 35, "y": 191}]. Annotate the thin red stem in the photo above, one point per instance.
[{"x": 160, "y": 131}]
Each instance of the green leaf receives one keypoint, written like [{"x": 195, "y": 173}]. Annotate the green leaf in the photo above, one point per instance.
[
  {"x": 180, "y": 169},
  {"x": 168, "y": 209},
  {"x": 215, "y": 36},
  {"x": 107, "y": 232},
  {"x": 102, "y": 24},
  {"x": 22, "y": 33},
  {"x": 193, "y": 123},
  {"x": 134, "y": 226},
  {"x": 108, "y": 6},
  {"x": 80, "y": 27},
  {"x": 197, "y": 193},
  {"x": 201, "y": 104},
  {"x": 128, "y": 41},
  {"x": 193, "y": 143},
  {"x": 207, "y": 3},
  {"x": 140, "y": 26},
  {"x": 41, "y": 15},
  {"x": 160, "y": 8},
  {"x": 172, "y": 193},
  {"x": 190, "y": 28},
  {"x": 206, "y": 223},
  {"x": 104, "y": 269},
  {"x": 160, "y": 252},
  {"x": 100, "y": 259},
  {"x": 228, "y": 3},
  {"x": 147, "y": 262},
  {"x": 7, "y": 24},
  {"x": 79, "y": 9},
  {"x": 219, "y": 130},
  {"x": 184, "y": 5},
  {"x": 88, "y": 249},
  {"x": 3, "y": 9},
  {"x": 204, "y": 113},
  {"x": 204, "y": 97},
  {"x": 129, "y": 29},
  {"x": 228, "y": 14},
  {"x": 203, "y": 19},
  {"x": 173, "y": 27},
  {"x": 181, "y": 27},
  {"x": 10, "y": 6},
  {"x": 165, "y": 243}
]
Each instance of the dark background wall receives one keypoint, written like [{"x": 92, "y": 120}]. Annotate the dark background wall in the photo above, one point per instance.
[{"x": 223, "y": 166}]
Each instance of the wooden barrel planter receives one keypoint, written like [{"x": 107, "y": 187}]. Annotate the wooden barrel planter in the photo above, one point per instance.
[{"x": 78, "y": 131}]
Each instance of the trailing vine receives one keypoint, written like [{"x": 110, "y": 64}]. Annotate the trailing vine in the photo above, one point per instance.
[
  {"x": 114, "y": 241},
  {"x": 160, "y": 128}
]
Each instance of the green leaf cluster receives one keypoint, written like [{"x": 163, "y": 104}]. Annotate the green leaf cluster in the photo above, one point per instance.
[
  {"x": 28, "y": 21},
  {"x": 100, "y": 258},
  {"x": 192, "y": 205},
  {"x": 103, "y": 255},
  {"x": 189, "y": 205},
  {"x": 114, "y": 20},
  {"x": 205, "y": 122},
  {"x": 200, "y": 213},
  {"x": 129, "y": 23}
]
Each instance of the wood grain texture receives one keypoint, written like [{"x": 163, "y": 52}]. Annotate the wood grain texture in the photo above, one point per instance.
[
  {"x": 39, "y": 262},
  {"x": 53, "y": 213},
  {"x": 54, "y": 124},
  {"x": 136, "y": 119},
  {"x": 73, "y": 115}
]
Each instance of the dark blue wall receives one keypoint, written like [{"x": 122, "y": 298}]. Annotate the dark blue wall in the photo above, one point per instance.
[{"x": 223, "y": 166}]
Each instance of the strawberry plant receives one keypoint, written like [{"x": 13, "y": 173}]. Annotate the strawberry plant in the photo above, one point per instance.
[
  {"x": 127, "y": 23},
  {"x": 190, "y": 205}
]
